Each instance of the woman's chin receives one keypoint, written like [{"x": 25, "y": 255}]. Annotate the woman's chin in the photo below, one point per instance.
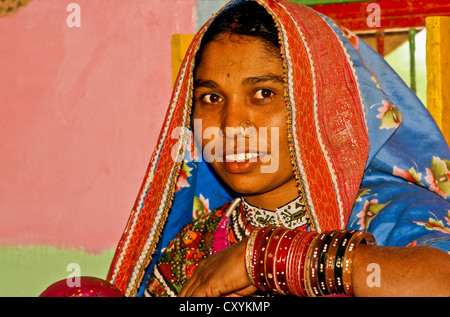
[{"x": 247, "y": 185}]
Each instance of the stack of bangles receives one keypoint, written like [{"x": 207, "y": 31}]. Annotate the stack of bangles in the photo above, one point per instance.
[{"x": 303, "y": 263}]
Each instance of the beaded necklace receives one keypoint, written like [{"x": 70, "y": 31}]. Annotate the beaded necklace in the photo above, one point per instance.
[
  {"x": 246, "y": 217},
  {"x": 291, "y": 215}
]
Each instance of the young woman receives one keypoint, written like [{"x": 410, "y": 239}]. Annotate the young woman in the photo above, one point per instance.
[{"x": 316, "y": 166}]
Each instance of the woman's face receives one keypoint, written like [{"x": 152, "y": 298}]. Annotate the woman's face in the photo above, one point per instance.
[{"x": 240, "y": 79}]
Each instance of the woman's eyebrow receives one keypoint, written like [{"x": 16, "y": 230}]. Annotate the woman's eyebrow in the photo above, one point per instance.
[
  {"x": 263, "y": 79},
  {"x": 211, "y": 84},
  {"x": 205, "y": 83}
]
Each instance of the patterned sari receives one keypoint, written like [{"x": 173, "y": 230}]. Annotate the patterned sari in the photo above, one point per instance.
[{"x": 367, "y": 156}]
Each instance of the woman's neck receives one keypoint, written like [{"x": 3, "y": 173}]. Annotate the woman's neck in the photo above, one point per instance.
[{"x": 276, "y": 197}]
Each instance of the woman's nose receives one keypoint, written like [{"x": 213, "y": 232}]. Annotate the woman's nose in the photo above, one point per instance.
[{"x": 232, "y": 116}]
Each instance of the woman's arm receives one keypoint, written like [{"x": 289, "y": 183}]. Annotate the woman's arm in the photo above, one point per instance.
[
  {"x": 401, "y": 271},
  {"x": 377, "y": 271}
]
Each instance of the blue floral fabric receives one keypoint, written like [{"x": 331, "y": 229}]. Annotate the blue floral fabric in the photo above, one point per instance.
[{"x": 404, "y": 196}]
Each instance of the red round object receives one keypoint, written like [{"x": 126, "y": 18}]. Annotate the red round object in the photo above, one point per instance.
[{"x": 83, "y": 286}]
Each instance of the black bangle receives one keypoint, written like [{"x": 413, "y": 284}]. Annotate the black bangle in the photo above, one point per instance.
[
  {"x": 339, "y": 263},
  {"x": 324, "y": 245}
]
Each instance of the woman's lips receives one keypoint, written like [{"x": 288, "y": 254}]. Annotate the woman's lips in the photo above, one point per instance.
[
  {"x": 239, "y": 163},
  {"x": 241, "y": 157}
]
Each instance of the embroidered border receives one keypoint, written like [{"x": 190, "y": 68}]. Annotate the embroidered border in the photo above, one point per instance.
[{"x": 298, "y": 167}]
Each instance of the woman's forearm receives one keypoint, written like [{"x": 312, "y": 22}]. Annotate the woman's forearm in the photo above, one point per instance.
[
  {"x": 342, "y": 262},
  {"x": 399, "y": 271}
]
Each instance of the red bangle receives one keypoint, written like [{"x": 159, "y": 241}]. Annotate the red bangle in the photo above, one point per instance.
[
  {"x": 269, "y": 255},
  {"x": 295, "y": 282},
  {"x": 281, "y": 263},
  {"x": 303, "y": 263},
  {"x": 252, "y": 260},
  {"x": 259, "y": 250}
]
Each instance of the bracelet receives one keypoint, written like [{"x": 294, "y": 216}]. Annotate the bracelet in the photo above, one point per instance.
[
  {"x": 257, "y": 262},
  {"x": 261, "y": 258},
  {"x": 311, "y": 285},
  {"x": 269, "y": 258},
  {"x": 294, "y": 268},
  {"x": 302, "y": 270},
  {"x": 321, "y": 266},
  {"x": 339, "y": 263},
  {"x": 316, "y": 244},
  {"x": 330, "y": 262},
  {"x": 355, "y": 240},
  {"x": 321, "y": 239},
  {"x": 303, "y": 263},
  {"x": 280, "y": 263},
  {"x": 250, "y": 255}
]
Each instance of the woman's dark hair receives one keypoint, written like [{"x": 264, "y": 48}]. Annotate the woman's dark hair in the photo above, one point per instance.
[{"x": 246, "y": 19}]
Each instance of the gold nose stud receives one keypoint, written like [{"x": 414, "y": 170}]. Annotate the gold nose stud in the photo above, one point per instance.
[{"x": 247, "y": 129}]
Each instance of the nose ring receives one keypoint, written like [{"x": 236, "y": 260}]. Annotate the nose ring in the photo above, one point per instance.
[{"x": 247, "y": 129}]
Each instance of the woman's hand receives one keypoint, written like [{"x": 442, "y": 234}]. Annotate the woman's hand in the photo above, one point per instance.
[{"x": 223, "y": 274}]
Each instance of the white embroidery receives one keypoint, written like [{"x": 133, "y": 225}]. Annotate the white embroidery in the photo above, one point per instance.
[{"x": 292, "y": 215}]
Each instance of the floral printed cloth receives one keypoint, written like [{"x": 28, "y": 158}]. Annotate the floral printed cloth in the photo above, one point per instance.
[{"x": 405, "y": 193}]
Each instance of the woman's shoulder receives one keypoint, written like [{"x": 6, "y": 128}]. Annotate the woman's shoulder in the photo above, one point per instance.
[
  {"x": 198, "y": 233},
  {"x": 184, "y": 253}
]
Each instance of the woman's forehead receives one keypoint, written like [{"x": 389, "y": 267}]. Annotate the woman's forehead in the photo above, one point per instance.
[{"x": 231, "y": 54}]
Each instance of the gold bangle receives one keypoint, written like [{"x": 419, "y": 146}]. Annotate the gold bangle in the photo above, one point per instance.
[
  {"x": 358, "y": 238},
  {"x": 249, "y": 252}
]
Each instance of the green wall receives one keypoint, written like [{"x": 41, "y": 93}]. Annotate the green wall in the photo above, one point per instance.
[{"x": 28, "y": 271}]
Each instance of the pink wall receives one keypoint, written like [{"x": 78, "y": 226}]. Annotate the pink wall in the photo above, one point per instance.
[{"x": 80, "y": 112}]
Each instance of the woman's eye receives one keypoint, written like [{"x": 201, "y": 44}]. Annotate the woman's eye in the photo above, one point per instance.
[
  {"x": 263, "y": 94},
  {"x": 211, "y": 98}
]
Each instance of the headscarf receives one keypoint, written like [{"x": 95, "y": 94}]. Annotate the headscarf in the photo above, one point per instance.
[{"x": 359, "y": 139}]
